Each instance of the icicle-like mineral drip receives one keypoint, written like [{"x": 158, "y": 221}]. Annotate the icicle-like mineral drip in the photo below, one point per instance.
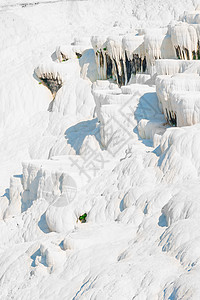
[
  {"x": 185, "y": 41},
  {"x": 135, "y": 59},
  {"x": 157, "y": 45},
  {"x": 179, "y": 98},
  {"x": 102, "y": 60},
  {"x": 120, "y": 57},
  {"x": 117, "y": 55},
  {"x": 54, "y": 75}
]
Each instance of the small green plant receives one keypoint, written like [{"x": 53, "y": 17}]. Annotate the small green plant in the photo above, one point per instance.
[
  {"x": 104, "y": 49},
  {"x": 40, "y": 82},
  {"x": 83, "y": 218}
]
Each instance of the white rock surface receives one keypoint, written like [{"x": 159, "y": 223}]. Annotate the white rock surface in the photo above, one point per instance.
[{"x": 99, "y": 193}]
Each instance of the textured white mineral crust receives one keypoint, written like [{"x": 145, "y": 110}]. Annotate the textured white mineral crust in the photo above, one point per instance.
[
  {"x": 100, "y": 150},
  {"x": 179, "y": 98}
]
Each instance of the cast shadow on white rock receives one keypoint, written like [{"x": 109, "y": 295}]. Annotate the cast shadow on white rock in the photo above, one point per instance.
[
  {"x": 43, "y": 224},
  {"x": 76, "y": 134}
]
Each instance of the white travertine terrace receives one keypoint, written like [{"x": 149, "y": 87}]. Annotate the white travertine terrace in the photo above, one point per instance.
[
  {"x": 73, "y": 50},
  {"x": 70, "y": 92},
  {"x": 59, "y": 72},
  {"x": 180, "y": 150},
  {"x": 103, "y": 201},
  {"x": 179, "y": 98},
  {"x": 65, "y": 52},
  {"x": 119, "y": 108},
  {"x": 185, "y": 40},
  {"x": 174, "y": 66},
  {"x": 119, "y": 57}
]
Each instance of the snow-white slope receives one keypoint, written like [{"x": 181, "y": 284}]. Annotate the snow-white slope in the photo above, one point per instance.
[{"x": 99, "y": 192}]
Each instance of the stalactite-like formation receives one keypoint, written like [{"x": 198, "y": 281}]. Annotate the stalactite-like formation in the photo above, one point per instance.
[
  {"x": 52, "y": 83},
  {"x": 179, "y": 98},
  {"x": 50, "y": 78},
  {"x": 185, "y": 39},
  {"x": 171, "y": 117},
  {"x": 116, "y": 61},
  {"x": 185, "y": 36},
  {"x": 119, "y": 58}
]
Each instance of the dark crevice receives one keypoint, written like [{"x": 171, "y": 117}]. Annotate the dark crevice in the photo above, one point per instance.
[
  {"x": 185, "y": 55},
  {"x": 64, "y": 57},
  {"x": 79, "y": 55},
  {"x": 178, "y": 52},
  {"x": 171, "y": 118},
  {"x": 109, "y": 66},
  {"x": 123, "y": 72},
  {"x": 52, "y": 83},
  {"x": 101, "y": 59},
  {"x": 144, "y": 65}
]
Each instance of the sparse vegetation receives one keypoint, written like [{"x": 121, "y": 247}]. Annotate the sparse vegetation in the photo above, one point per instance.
[
  {"x": 83, "y": 218},
  {"x": 78, "y": 55}
]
